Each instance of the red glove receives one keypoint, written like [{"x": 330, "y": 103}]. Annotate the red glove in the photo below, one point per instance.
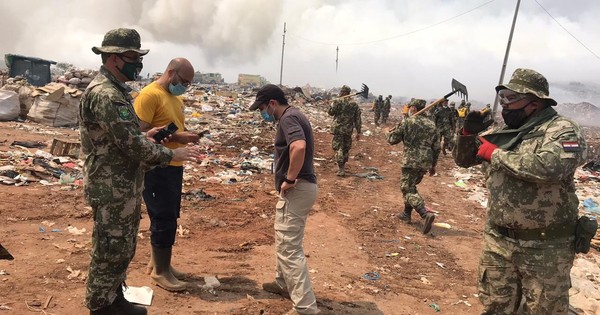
[
  {"x": 486, "y": 149},
  {"x": 464, "y": 132}
]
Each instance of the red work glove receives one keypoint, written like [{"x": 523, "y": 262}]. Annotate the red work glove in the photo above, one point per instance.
[{"x": 486, "y": 149}]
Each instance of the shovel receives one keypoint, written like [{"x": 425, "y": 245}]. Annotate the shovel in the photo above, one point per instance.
[
  {"x": 364, "y": 92},
  {"x": 457, "y": 87}
]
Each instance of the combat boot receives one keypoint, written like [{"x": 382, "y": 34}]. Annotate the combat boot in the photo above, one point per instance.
[
  {"x": 427, "y": 217},
  {"x": 161, "y": 275},
  {"x": 121, "y": 306},
  {"x": 406, "y": 214},
  {"x": 150, "y": 267},
  {"x": 342, "y": 169}
]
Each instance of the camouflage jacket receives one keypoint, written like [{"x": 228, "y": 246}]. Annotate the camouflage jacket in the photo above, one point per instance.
[
  {"x": 387, "y": 104},
  {"x": 377, "y": 105},
  {"x": 346, "y": 116},
  {"x": 421, "y": 142},
  {"x": 443, "y": 117},
  {"x": 112, "y": 144},
  {"x": 531, "y": 186}
]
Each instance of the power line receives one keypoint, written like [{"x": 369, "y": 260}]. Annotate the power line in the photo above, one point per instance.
[
  {"x": 395, "y": 36},
  {"x": 557, "y": 22}
]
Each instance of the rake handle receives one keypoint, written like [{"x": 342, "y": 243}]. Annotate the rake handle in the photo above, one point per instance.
[{"x": 436, "y": 102}]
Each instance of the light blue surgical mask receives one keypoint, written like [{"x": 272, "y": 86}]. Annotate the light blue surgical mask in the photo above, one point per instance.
[
  {"x": 266, "y": 116},
  {"x": 177, "y": 89}
]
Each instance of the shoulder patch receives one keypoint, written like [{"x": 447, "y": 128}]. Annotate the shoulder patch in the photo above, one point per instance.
[
  {"x": 571, "y": 146},
  {"x": 124, "y": 113}
]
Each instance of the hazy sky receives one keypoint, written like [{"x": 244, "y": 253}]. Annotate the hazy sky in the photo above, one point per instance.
[{"x": 409, "y": 48}]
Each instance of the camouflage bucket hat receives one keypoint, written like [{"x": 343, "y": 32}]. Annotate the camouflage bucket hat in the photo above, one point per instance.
[
  {"x": 528, "y": 81},
  {"x": 120, "y": 40}
]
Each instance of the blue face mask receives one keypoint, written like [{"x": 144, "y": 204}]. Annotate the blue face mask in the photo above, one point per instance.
[
  {"x": 176, "y": 89},
  {"x": 266, "y": 116}
]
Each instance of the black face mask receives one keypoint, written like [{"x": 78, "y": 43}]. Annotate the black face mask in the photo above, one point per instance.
[
  {"x": 131, "y": 69},
  {"x": 515, "y": 118}
]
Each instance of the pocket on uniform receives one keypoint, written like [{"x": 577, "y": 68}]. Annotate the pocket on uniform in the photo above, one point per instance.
[{"x": 280, "y": 212}]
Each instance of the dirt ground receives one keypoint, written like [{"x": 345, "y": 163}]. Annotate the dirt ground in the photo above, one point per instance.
[{"x": 350, "y": 230}]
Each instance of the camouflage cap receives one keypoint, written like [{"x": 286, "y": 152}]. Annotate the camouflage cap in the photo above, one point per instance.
[
  {"x": 345, "y": 89},
  {"x": 452, "y": 104},
  {"x": 528, "y": 81},
  {"x": 417, "y": 102},
  {"x": 119, "y": 41}
]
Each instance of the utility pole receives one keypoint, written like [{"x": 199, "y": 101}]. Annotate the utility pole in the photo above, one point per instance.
[
  {"x": 512, "y": 29},
  {"x": 337, "y": 50},
  {"x": 282, "y": 51}
]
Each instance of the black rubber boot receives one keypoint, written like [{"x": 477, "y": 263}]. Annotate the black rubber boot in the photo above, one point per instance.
[
  {"x": 406, "y": 214},
  {"x": 121, "y": 306},
  {"x": 427, "y": 217},
  {"x": 162, "y": 275}
]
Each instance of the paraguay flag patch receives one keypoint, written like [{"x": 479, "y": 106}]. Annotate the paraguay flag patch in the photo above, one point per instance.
[{"x": 571, "y": 146}]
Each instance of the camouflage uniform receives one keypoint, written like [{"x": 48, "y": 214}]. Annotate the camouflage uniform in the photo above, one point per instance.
[
  {"x": 385, "y": 110},
  {"x": 377, "y": 107},
  {"x": 346, "y": 117},
  {"x": 421, "y": 152},
  {"x": 453, "y": 117},
  {"x": 443, "y": 121},
  {"x": 114, "y": 150},
  {"x": 532, "y": 209}
]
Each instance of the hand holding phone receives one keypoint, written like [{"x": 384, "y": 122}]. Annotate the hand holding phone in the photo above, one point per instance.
[{"x": 165, "y": 132}]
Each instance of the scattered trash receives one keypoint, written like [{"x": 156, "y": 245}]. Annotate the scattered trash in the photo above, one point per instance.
[
  {"x": 42, "y": 229},
  {"x": 138, "y": 295},
  {"x": 591, "y": 206},
  {"x": 75, "y": 231},
  {"x": 463, "y": 302},
  {"x": 373, "y": 275},
  {"x": 73, "y": 274},
  {"x": 460, "y": 183},
  {"x": 435, "y": 307},
  {"x": 197, "y": 194},
  {"x": 182, "y": 231},
  {"x": 392, "y": 254},
  {"x": 369, "y": 175},
  {"x": 344, "y": 214},
  {"x": 440, "y": 265},
  {"x": 60, "y": 261},
  {"x": 442, "y": 225},
  {"x": 4, "y": 273},
  {"x": 210, "y": 284},
  {"x": 28, "y": 144},
  {"x": 425, "y": 280}
]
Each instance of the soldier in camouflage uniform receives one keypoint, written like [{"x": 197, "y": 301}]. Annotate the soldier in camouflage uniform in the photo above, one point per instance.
[
  {"x": 377, "y": 107},
  {"x": 346, "y": 118},
  {"x": 453, "y": 117},
  {"x": 114, "y": 150},
  {"x": 421, "y": 152},
  {"x": 528, "y": 248},
  {"x": 443, "y": 122},
  {"x": 385, "y": 110}
]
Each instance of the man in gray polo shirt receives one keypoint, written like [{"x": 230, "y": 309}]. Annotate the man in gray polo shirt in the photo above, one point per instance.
[{"x": 296, "y": 183}]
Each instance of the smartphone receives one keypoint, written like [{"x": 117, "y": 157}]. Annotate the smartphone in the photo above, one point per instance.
[{"x": 165, "y": 132}]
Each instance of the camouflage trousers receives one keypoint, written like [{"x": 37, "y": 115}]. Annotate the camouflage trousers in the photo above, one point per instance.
[
  {"x": 113, "y": 246},
  {"x": 377, "y": 116},
  {"x": 341, "y": 145},
  {"x": 411, "y": 177},
  {"x": 447, "y": 136},
  {"x": 384, "y": 115},
  {"x": 538, "y": 271}
]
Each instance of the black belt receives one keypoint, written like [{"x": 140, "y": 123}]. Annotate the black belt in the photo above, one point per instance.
[{"x": 551, "y": 232}]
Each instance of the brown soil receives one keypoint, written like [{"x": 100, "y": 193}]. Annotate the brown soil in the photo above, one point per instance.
[{"x": 351, "y": 229}]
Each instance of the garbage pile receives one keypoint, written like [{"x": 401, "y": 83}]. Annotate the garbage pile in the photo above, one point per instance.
[
  {"x": 15, "y": 99},
  {"x": 77, "y": 78}
]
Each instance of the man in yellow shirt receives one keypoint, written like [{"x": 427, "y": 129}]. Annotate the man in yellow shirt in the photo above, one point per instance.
[{"x": 160, "y": 104}]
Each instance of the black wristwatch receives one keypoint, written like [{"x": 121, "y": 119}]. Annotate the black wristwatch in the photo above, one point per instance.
[{"x": 291, "y": 182}]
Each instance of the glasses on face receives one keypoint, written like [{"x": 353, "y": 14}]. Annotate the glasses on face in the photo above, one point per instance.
[
  {"x": 507, "y": 97},
  {"x": 183, "y": 82}
]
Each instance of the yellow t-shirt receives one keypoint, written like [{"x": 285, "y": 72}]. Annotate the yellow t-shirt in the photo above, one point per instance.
[{"x": 157, "y": 107}]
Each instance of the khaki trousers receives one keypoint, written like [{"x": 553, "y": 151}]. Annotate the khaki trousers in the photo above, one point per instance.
[{"x": 291, "y": 270}]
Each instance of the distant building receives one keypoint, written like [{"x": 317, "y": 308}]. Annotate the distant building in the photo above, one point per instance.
[
  {"x": 35, "y": 70},
  {"x": 254, "y": 80},
  {"x": 208, "y": 78}
]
